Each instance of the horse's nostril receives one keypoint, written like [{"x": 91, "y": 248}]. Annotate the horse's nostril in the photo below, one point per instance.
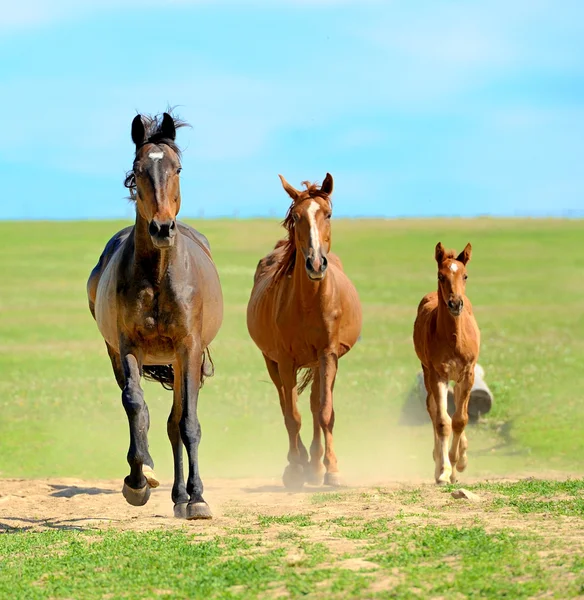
[
  {"x": 172, "y": 225},
  {"x": 324, "y": 264},
  {"x": 309, "y": 266},
  {"x": 153, "y": 228}
]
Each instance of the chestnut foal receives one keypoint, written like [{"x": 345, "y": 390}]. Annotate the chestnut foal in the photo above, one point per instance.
[
  {"x": 304, "y": 312},
  {"x": 447, "y": 340},
  {"x": 156, "y": 297}
]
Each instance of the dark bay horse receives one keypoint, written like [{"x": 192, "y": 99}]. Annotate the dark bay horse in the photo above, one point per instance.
[
  {"x": 304, "y": 312},
  {"x": 447, "y": 341},
  {"x": 156, "y": 298}
]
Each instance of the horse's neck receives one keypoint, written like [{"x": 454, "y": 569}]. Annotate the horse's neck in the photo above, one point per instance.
[
  {"x": 307, "y": 290},
  {"x": 153, "y": 261},
  {"x": 449, "y": 326}
]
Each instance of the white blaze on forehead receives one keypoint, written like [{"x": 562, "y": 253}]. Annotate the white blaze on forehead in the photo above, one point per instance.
[
  {"x": 156, "y": 155},
  {"x": 314, "y": 233},
  {"x": 453, "y": 267}
]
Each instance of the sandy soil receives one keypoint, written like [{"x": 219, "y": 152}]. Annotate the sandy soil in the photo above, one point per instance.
[{"x": 37, "y": 504}]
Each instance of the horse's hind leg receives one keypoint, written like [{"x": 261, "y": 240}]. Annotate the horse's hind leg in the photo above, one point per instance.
[
  {"x": 137, "y": 484},
  {"x": 179, "y": 491},
  {"x": 316, "y": 469},
  {"x": 442, "y": 428},
  {"x": 459, "y": 446}
]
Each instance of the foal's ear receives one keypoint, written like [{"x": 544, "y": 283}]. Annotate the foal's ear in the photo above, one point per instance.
[
  {"x": 327, "y": 185},
  {"x": 138, "y": 131},
  {"x": 292, "y": 192},
  {"x": 464, "y": 256},
  {"x": 167, "y": 127},
  {"x": 440, "y": 252}
]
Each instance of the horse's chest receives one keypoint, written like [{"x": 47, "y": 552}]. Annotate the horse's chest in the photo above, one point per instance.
[{"x": 156, "y": 313}]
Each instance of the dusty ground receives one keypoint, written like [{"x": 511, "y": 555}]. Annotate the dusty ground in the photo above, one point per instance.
[{"x": 29, "y": 504}]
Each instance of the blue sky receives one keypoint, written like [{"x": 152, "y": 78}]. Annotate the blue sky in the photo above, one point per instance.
[{"x": 416, "y": 108}]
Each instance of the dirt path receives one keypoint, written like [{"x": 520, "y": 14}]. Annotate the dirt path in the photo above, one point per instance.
[{"x": 37, "y": 504}]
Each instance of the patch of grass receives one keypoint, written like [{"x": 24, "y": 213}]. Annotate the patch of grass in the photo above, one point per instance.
[
  {"x": 468, "y": 560},
  {"x": 365, "y": 530},
  {"x": 325, "y": 497},
  {"x": 568, "y": 508},
  {"x": 409, "y": 496},
  {"x": 132, "y": 564},
  {"x": 297, "y": 520},
  {"x": 539, "y": 487}
]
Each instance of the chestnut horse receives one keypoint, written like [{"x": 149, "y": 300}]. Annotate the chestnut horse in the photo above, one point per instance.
[
  {"x": 447, "y": 340},
  {"x": 304, "y": 312},
  {"x": 156, "y": 298}
]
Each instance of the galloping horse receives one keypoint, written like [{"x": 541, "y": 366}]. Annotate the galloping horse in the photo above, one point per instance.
[
  {"x": 304, "y": 312},
  {"x": 156, "y": 298},
  {"x": 447, "y": 341}
]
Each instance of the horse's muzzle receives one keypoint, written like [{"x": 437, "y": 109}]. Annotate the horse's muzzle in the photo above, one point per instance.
[
  {"x": 316, "y": 268},
  {"x": 455, "y": 306},
  {"x": 162, "y": 232}
]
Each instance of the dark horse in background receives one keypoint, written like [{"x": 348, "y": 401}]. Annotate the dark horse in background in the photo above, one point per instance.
[{"x": 156, "y": 297}]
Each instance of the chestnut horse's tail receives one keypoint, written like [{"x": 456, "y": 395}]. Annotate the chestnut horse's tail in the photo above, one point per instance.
[
  {"x": 306, "y": 378},
  {"x": 164, "y": 374}
]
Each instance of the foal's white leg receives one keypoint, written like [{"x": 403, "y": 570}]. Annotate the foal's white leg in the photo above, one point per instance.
[
  {"x": 459, "y": 421},
  {"x": 442, "y": 430}
]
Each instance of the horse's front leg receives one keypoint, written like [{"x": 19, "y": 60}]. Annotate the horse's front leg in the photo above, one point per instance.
[
  {"x": 459, "y": 446},
  {"x": 316, "y": 470},
  {"x": 328, "y": 373},
  {"x": 137, "y": 484},
  {"x": 442, "y": 428},
  {"x": 190, "y": 357},
  {"x": 294, "y": 475}
]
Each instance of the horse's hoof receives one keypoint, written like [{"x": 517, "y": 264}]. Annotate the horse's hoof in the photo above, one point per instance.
[
  {"x": 136, "y": 497},
  {"x": 150, "y": 477},
  {"x": 333, "y": 479},
  {"x": 293, "y": 478},
  {"x": 198, "y": 510},
  {"x": 453, "y": 477},
  {"x": 315, "y": 476},
  {"x": 180, "y": 510}
]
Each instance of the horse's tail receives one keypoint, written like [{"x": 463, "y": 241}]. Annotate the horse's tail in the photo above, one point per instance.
[
  {"x": 164, "y": 374},
  {"x": 306, "y": 378}
]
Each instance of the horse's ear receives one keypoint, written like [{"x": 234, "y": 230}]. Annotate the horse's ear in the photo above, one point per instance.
[
  {"x": 465, "y": 255},
  {"x": 327, "y": 185},
  {"x": 440, "y": 252},
  {"x": 138, "y": 131},
  {"x": 292, "y": 192},
  {"x": 167, "y": 127}
]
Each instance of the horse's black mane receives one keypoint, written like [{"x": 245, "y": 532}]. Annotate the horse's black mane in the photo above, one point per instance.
[{"x": 154, "y": 135}]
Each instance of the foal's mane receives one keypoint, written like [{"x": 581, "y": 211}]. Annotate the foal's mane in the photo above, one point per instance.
[
  {"x": 154, "y": 135},
  {"x": 313, "y": 190}
]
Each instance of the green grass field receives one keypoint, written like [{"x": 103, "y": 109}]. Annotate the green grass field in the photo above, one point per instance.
[{"x": 62, "y": 415}]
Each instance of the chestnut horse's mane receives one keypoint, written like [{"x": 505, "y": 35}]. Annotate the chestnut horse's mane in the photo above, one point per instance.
[
  {"x": 154, "y": 135},
  {"x": 288, "y": 245}
]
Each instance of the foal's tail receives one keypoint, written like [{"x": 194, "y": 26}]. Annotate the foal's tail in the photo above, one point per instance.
[
  {"x": 306, "y": 378},
  {"x": 164, "y": 374}
]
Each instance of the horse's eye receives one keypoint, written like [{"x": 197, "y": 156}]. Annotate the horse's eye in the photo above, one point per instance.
[
  {"x": 440, "y": 277},
  {"x": 178, "y": 170},
  {"x": 465, "y": 277},
  {"x": 329, "y": 216}
]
